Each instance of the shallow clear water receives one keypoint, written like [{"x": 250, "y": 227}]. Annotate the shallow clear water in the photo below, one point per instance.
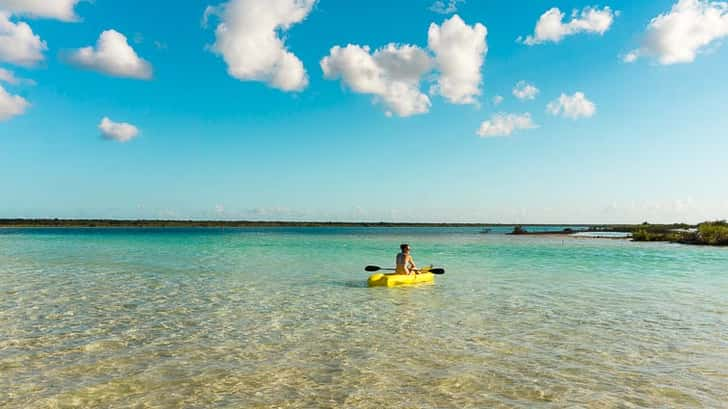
[{"x": 282, "y": 318}]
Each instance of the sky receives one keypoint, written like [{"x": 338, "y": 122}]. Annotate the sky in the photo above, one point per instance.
[{"x": 431, "y": 111}]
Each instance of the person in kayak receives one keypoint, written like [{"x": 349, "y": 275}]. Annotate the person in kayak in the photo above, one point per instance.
[{"x": 405, "y": 263}]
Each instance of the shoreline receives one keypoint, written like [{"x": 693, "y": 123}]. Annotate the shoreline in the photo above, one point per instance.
[
  {"x": 97, "y": 223},
  {"x": 707, "y": 233}
]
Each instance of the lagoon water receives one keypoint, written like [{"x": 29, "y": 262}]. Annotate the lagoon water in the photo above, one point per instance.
[{"x": 261, "y": 318}]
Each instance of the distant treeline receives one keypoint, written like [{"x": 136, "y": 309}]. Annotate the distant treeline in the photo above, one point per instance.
[
  {"x": 609, "y": 228},
  {"x": 203, "y": 223},
  {"x": 223, "y": 223},
  {"x": 707, "y": 233}
]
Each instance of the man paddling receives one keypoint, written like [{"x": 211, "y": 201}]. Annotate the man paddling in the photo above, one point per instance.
[{"x": 405, "y": 262}]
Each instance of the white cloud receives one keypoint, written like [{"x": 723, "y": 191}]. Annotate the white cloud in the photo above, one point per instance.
[
  {"x": 678, "y": 36},
  {"x": 441, "y": 7},
  {"x": 9, "y": 77},
  {"x": 632, "y": 56},
  {"x": 249, "y": 40},
  {"x": 505, "y": 124},
  {"x": 574, "y": 107},
  {"x": 392, "y": 74},
  {"x": 55, "y": 9},
  {"x": 524, "y": 91},
  {"x": 18, "y": 44},
  {"x": 117, "y": 131},
  {"x": 550, "y": 26},
  {"x": 497, "y": 100},
  {"x": 113, "y": 56},
  {"x": 275, "y": 212},
  {"x": 460, "y": 51},
  {"x": 11, "y": 105},
  {"x": 666, "y": 210}
]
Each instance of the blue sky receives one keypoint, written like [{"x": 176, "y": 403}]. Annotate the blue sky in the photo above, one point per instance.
[{"x": 210, "y": 145}]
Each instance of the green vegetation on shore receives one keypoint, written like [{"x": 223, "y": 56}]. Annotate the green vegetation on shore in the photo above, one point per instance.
[
  {"x": 707, "y": 233},
  {"x": 713, "y": 233},
  {"x": 520, "y": 230}
]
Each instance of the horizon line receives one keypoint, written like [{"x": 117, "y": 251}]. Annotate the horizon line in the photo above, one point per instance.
[{"x": 131, "y": 222}]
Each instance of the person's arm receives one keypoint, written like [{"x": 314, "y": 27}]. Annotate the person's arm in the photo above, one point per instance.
[{"x": 412, "y": 264}]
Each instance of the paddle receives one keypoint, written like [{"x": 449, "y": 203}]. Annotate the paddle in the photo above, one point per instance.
[{"x": 438, "y": 271}]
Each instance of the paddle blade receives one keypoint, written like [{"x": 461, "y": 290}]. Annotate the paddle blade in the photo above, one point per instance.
[
  {"x": 372, "y": 268},
  {"x": 439, "y": 271}
]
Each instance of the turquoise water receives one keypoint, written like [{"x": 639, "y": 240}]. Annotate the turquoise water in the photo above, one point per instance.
[{"x": 260, "y": 318}]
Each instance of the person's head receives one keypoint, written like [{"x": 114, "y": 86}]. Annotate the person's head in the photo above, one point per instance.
[{"x": 405, "y": 248}]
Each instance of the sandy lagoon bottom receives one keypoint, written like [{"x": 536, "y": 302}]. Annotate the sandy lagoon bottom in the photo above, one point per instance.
[{"x": 283, "y": 318}]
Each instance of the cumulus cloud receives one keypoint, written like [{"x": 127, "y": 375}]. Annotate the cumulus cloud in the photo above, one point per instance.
[
  {"x": 632, "y": 56},
  {"x": 249, "y": 40},
  {"x": 55, "y": 9},
  {"x": 505, "y": 124},
  {"x": 678, "y": 36},
  {"x": 497, "y": 100},
  {"x": 11, "y": 105},
  {"x": 550, "y": 26},
  {"x": 392, "y": 74},
  {"x": 459, "y": 51},
  {"x": 117, "y": 131},
  {"x": 575, "y": 106},
  {"x": 18, "y": 44},
  {"x": 113, "y": 56},
  {"x": 9, "y": 77},
  {"x": 524, "y": 91},
  {"x": 442, "y": 7}
]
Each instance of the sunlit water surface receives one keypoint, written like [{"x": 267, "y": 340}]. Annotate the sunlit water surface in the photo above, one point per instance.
[{"x": 237, "y": 318}]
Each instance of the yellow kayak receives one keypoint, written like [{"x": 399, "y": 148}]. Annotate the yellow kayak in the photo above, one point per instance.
[{"x": 394, "y": 280}]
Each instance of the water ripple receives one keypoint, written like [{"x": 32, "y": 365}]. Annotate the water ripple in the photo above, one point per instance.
[{"x": 260, "y": 320}]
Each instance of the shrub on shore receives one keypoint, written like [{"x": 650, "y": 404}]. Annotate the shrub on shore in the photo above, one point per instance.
[
  {"x": 707, "y": 233},
  {"x": 651, "y": 235},
  {"x": 519, "y": 230},
  {"x": 642, "y": 235},
  {"x": 713, "y": 233}
]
